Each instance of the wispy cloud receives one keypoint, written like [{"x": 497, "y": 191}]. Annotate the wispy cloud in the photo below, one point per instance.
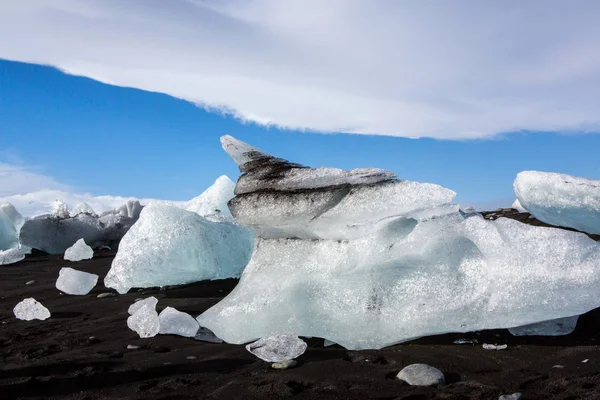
[
  {"x": 410, "y": 68},
  {"x": 20, "y": 179}
]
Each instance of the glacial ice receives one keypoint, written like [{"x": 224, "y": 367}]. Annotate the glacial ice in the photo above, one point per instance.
[
  {"x": 15, "y": 217},
  {"x": 30, "y": 309},
  {"x": 82, "y": 208},
  {"x": 8, "y": 233},
  {"x": 60, "y": 209},
  {"x": 278, "y": 347},
  {"x": 560, "y": 199},
  {"x": 213, "y": 201},
  {"x": 149, "y": 301},
  {"x": 144, "y": 321},
  {"x": 517, "y": 206},
  {"x": 79, "y": 251},
  {"x": 420, "y": 268},
  {"x": 74, "y": 282},
  {"x": 169, "y": 246},
  {"x": 421, "y": 375},
  {"x": 555, "y": 327},
  {"x": 54, "y": 233},
  {"x": 11, "y": 256},
  {"x": 174, "y": 322}
]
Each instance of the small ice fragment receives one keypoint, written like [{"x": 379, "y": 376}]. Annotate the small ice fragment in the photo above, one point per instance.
[
  {"x": 79, "y": 251},
  {"x": 59, "y": 209},
  {"x": 278, "y": 347},
  {"x": 466, "y": 341},
  {"x": 206, "y": 335},
  {"x": 191, "y": 357},
  {"x": 586, "y": 360},
  {"x": 487, "y": 346},
  {"x": 71, "y": 281},
  {"x": 132, "y": 347},
  {"x": 174, "y": 322},
  {"x": 139, "y": 303},
  {"x": 104, "y": 295},
  {"x": 558, "y": 366},
  {"x": 11, "y": 256},
  {"x": 287, "y": 364},
  {"x": 421, "y": 375},
  {"x": 514, "y": 396},
  {"x": 29, "y": 282},
  {"x": 144, "y": 321},
  {"x": 30, "y": 309}
]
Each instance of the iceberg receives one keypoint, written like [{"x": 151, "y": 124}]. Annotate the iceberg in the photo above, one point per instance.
[
  {"x": 8, "y": 233},
  {"x": 74, "y": 282},
  {"x": 170, "y": 246},
  {"x": 560, "y": 199},
  {"x": 79, "y": 251},
  {"x": 213, "y": 201},
  {"x": 417, "y": 267},
  {"x": 55, "y": 233}
]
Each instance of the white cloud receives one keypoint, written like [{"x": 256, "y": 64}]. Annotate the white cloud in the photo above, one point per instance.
[
  {"x": 405, "y": 68},
  {"x": 18, "y": 179}
]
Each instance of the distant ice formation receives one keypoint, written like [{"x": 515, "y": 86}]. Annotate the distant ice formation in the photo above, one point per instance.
[
  {"x": 369, "y": 262},
  {"x": 560, "y": 199}
]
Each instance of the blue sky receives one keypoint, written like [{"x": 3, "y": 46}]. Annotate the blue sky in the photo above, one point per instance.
[{"x": 103, "y": 139}]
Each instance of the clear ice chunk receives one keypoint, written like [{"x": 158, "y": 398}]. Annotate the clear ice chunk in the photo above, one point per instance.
[
  {"x": 11, "y": 256},
  {"x": 8, "y": 234},
  {"x": 171, "y": 246},
  {"x": 74, "y": 282},
  {"x": 560, "y": 199},
  {"x": 30, "y": 309},
  {"x": 174, "y": 322},
  {"x": 144, "y": 322},
  {"x": 150, "y": 302},
  {"x": 278, "y": 347},
  {"x": 555, "y": 327},
  {"x": 79, "y": 251},
  {"x": 421, "y": 375}
]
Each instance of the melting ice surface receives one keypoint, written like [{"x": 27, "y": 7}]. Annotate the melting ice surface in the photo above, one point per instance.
[
  {"x": 79, "y": 251},
  {"x": 74, "y": 282},
  {"x": 30, "y": 309},
  {"x": 175, "y": 322},
  {"x": 392, "y": 265},
  {"x": 8, "y": 233},
  {"x": 169, "y": 246},
  {"x": 560, "y": 199},
  {"x": 278, "y": 347}
]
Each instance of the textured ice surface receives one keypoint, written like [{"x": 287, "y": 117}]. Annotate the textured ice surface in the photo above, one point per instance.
[
  {"x": 16, "y": 218},
  {"x": 30, "y": 309},
  {"x": 79, "y": 251},
  {"x": 71, "y": 281},
  {"x": 169, "y": 246},
  {"x": 149, "y": 301},
  {"x": 262, "y": 171},
  {"x": 560, "y": 199},
  {"x": 517, "y": 206},
  {"x": 144, "y": 321},
  {"x": 60, "y": 209},
  {"x": 555, "y": 327},
  {"x": 278, "y": 347},
  {"x": 11, "y": 256},
  {"x": 213, "y": 201},
  {"x": 82, "y": 208},
  {"x": 55, "y": 233},
  {"x": 421, "y": 375},
  {"x": 174, "y": 322},
  {"x": 409, "y": 279}
]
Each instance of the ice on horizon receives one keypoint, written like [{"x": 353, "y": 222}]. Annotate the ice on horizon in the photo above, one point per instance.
[
  {"x": 392, "y": 268},
  {"x": 560, "y": 199}
]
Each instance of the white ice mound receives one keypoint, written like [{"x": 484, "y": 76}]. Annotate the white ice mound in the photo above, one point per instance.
[
  {"x": 517, "y": 206},
  {"x": 11, "y": 256},
  {"x": 555, "y": 327},
  {"x": 213, "y": 201},
  {"x": 79, "y": 251},
  {"x": 278, "y": 347},
  {"x": 393, "y": 262},
  {"x": 174, "y": 322},
  {"x": 79, "y": 283},
  {"x": 60, "y": 209},
  {"x": 560, "y": 199},
  {"x": 169, "y": 246},
  {"x": 82, "y": 208},
  {"x": 30, "y": 309},
  {"x": 144, "y": 321}
]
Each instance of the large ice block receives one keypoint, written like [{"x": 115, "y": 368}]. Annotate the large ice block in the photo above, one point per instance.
[
  {"x": 169, "y": 246},
  {"x": 8, "y": 233},
  {"x": 560, "y": 199}
]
